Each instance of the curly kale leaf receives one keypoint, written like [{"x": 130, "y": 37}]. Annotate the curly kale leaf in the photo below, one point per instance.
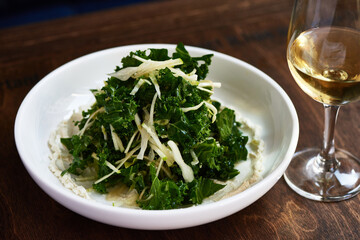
[
  {"x": 202, "y": 188},
  {"x": 208, "y": 153},
  {"x": 120, "y": 107},
  {"x": 213, "y": 162},
  {"x": 163, "y": 194},
  {"x": 191, "y": 63},
  {"x": 218, "y": 155},
  {"x": 167, "y": 194},
  {"x": 130, "y": 61},
  {"x": 188, "y": 128},
  {"x": 76, "y": 146},
  {"x": 155, "y": 54},
  {"x": 158, "y": 54},
  {"x": 133, "y": 176},
  {"x": 230, "y": 135}
]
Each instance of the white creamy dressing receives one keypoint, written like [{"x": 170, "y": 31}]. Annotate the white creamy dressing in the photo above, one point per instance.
[
  {"x": 250, "y": 170},
  {"x": 60, "y": 158}
]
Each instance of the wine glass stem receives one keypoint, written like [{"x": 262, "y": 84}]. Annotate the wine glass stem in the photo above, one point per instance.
[{"x": 327, "y": 160}]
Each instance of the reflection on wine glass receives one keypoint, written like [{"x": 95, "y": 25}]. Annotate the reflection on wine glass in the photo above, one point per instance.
[{"x": 323, "y": 54}]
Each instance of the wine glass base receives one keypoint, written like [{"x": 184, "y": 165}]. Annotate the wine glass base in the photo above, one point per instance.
[{"x": 306, "y": 179}]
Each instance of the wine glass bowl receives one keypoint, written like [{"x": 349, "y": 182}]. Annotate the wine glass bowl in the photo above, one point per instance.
[
  {"x": 325, "y": 64},
  {"x": 323, "y": 55}
]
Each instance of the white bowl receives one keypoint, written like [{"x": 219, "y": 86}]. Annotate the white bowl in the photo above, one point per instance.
[{"x": 255, "y": 95}]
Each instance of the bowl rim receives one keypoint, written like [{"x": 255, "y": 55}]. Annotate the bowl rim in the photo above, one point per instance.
[{"x": 272, "y": 177}]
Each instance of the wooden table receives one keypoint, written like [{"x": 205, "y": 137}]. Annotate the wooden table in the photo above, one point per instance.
[{"x": 252, "y": 30}]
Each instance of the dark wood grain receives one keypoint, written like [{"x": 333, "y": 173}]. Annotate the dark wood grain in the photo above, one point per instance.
[{"x": 252, "y": 30}]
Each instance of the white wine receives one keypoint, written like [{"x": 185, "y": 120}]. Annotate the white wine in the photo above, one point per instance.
[{"x": 325, "y": 63}]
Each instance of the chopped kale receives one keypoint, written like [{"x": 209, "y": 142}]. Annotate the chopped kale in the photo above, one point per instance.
[{"x": 120, "y": 119}]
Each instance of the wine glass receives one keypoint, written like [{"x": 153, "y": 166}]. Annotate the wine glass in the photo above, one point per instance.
[{"x": 323, "y": 54}]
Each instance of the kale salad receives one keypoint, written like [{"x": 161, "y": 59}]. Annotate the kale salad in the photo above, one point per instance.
[{"x": 155, "y": 131}]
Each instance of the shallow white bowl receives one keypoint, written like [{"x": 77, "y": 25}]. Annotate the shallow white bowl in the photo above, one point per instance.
[{"x": 254, "y": 95}]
